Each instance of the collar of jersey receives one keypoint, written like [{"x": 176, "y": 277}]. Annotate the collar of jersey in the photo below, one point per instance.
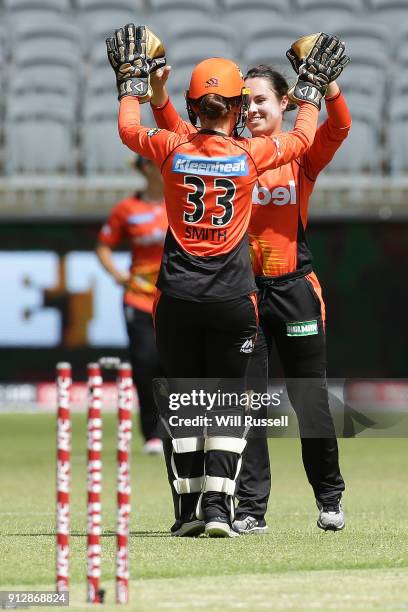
[{"x": 213, "y": 132}]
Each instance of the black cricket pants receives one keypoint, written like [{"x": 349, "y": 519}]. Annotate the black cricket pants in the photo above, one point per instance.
[
  {"x": 204, "y": 340},
  {"x": 145, "y": 362},
  {"x": 302, "y": 357}
]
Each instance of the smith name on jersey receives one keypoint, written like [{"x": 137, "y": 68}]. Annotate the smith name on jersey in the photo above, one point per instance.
[{"x": 208, "y": 180}]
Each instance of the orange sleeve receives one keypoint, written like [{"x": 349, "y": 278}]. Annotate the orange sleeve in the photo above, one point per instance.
[
  {"x": 112, "y": 232},
  {"x": 329, "y": 136},
  {"x": 168, "y": 118},
  {"x": 272, "y": 152},
  {"x": 153, "y": 143}
]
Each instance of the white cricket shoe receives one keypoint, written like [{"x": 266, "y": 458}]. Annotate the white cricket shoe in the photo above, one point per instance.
[
  {"x": 249, "y": 524},
  {"x": 154, "y": 446},
  {"x": 331, "y": 516},
  {"x": 219, "y": 527}
]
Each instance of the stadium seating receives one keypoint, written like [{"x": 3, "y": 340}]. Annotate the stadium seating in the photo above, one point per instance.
[
  {"x": 179, "y": 79},
  {"x": 367, "y": 44},
  {"x": 267, "y": 44},
  {"x": 389, "y": 12},
  {"x": 398, "y": 135},
  {"x": 101, "y": 81},
  {"x": 39, "y": 135},
  {"x": 401, "y": 50},
  {"x": 209, "y": 6},
  {"x": 44, "y": 79},
  {"x": 53, "y": 44},
  {"x": 189, "y": 46},
  {"x": 2, "y": 52},
  {"x": 365, "y": 79},
  {"x": 132, "y": 6},
  {"x": 31, "y": 5},
  {"x": 360, "y": 152},
  {"x": 397, "y": 131},
  {"x": 255, "y": 5},
  {"x": 249, "y": 16},
  {"x": 36, "y": 18},
  {"x": 102, "y": 150},
  {"x": 61, "y": 45},
  {"x": 323, "y": 15},
  {"x": 100, "y": 18},
  {"x": 98, "y": 26}
]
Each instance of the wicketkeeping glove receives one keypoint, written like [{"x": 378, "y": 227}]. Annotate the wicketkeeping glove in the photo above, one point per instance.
[
  {"x": 318, "y": 59},
  {"x": 134, "y": 52}
]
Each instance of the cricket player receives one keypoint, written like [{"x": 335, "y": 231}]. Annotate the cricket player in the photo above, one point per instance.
[
  {"x": 289, "y": 292},
  {"x": 139, "y": 220},
  {"x": 205, "y": 311}
]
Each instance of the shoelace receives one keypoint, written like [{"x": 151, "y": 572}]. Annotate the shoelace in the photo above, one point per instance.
[
  {"x": 250, "y": 521},
  {"x": 332, "y": 508}
]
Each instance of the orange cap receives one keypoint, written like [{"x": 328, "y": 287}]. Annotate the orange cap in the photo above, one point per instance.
[{"x": 216, "y": 76}]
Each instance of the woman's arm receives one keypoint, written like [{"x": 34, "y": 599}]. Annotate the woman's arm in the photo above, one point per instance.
[
  {"x": 153, "y": 143},
  {"x": 104, "y": 254},
  {"x": 329, "y": 135},
  {"x": 164, "y": 112}
]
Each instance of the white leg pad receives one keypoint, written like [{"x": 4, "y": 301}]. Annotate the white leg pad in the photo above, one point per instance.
[
  {"x": 188, "y": 485},
  {"x": 187, "y": 445},
  {"x": 232, "y": 445},
  {"x": 219, "y": 485}
]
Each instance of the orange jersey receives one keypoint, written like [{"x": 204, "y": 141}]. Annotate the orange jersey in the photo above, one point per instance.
[
  {"x": 208, "y": 181},
  {"x": 281, "y": 195},
  {"x": 143, "y": 225},
  {"x": 280, "y": 198}
]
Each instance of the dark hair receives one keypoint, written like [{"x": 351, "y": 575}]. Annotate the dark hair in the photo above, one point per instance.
[
  {"x": 277, "y": 81},
  {"x": 213, "y": 106},
  {"x": 140, "y": 161}
]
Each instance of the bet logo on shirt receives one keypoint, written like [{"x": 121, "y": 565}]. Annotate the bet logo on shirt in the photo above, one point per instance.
[{"x": 279, "y": 196}]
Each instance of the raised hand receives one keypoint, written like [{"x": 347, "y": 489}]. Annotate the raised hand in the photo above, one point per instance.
[
  {"x": 134, "y": 52},
  {"x": 318, "y": 60}
]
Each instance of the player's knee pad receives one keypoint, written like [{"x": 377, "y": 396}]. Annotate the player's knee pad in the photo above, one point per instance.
[
  {"x": 222, "y": 467},
  {"x": 184, "y": 457},
  {"x": 187, "y": 462}
]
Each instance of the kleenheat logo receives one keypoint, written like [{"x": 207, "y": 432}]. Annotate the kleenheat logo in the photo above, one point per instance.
[
  {"x": 213, "y": 82},
  {"x": 236, "y": 165}
]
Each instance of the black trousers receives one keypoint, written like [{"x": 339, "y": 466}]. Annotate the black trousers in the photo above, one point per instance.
[
  {"x": 302, "y": 357},
  {"x": 145, "y": 365},
  {"x": 203, "y": 340}
]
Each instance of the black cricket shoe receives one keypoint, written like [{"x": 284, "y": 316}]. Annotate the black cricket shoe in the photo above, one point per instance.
[
  {"x": 188, "y": 528},
  {"x": 219, "y": 527}
]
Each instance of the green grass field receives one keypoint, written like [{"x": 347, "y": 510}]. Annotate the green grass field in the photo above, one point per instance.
[{"x": 295, "y": 567}]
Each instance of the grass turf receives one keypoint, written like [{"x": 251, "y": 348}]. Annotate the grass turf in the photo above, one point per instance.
[{"x": 296, "y": 566}]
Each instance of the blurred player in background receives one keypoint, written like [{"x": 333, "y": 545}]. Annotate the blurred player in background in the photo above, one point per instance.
[
  {"x": 140, "y": 221},
  {"x": 289, "y": 292},
  {"x": 206, "y": 315}
]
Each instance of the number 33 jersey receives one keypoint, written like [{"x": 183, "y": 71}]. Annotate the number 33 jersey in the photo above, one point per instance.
[{"x": 208, "y": 181}]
